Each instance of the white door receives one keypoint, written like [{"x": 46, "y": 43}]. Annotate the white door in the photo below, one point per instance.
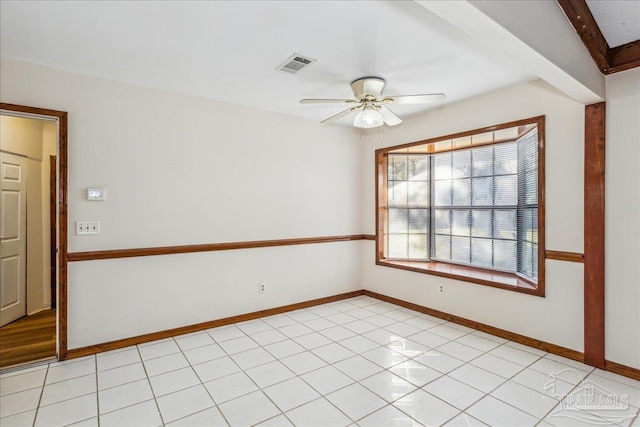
[{"x": 13, "y": 234}]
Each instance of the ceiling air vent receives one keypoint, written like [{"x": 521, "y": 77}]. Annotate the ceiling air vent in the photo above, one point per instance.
[{"x": 295, "y": 63}]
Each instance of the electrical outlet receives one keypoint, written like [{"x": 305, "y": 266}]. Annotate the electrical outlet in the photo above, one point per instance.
[
  {"x": 87, "y": 227},
  {"x": 441, "y": 288},
  {"x": 262, "y": 288}
]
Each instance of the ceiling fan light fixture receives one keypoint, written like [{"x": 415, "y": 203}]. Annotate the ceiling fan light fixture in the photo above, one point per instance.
[{"x": 368, "y": 118}]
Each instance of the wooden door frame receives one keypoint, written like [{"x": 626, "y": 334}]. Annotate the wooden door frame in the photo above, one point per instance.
[
  {"x": 53, "y": 226},
  {"x": 62, "y": 117}
]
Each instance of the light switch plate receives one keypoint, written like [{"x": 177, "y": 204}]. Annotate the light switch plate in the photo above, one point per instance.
[
  {"x": 95, "y": 193},
  {"x": 87, "y": 227}
]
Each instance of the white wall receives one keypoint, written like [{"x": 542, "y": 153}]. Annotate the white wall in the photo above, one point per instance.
[
  {"x": 557, "y": 318},
  {"x": 622, "y": 218},
  {"x": 183, "y": 170}
]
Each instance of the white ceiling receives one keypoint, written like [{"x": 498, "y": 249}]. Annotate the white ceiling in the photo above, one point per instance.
[
  {"x": 619, "y": 21},
  {"x": 228, "y": 51}
]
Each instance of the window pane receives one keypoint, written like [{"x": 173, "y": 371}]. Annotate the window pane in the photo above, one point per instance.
[
  {"x": 442, "y": 196},
  {"x": 397, "y": 168},
  {"x": 398, "y": 246},
  {"x": 398, "y": 220},
  {"x": 506, "y": 190},
  {"x": 506, "y": 159},
  {"x": 481, "y": 252},
  {"x": 418, "y": 220},
  {"x": 418, "y": 168},
  {"x": 397, "y": 194},
  {"x": 504, "y": 224},
  {"x": 482, "y": 191},
  {"x": 505, "y": 254},
  {"x": 461, "y": 164},
  {"x": 460, "y": 223},
  {"x": 482, "y": 161},
  {"x": 443, "y": 221},
  {"x": 461, "y": 192},
  {"x": 418, "y": 193},
  {"x": 530, "y": 188},
  {"x": 460, "y": 249},
  {"x": 527, "y": 259},
  {"x": 481, "y": 223},
  {"x": 418, "y": 246},
  {"x": 442, "y": 166},
  {"x": 443, "y": 247}
]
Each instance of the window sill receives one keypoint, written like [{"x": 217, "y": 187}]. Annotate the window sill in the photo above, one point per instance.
[{"x": 508, "y": 281}]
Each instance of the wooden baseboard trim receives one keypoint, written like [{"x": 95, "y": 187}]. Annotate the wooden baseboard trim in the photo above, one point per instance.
[
  {"x": 141, "y": 339},
  {"x": 207, "y": 247},
  {"x": 369, "y": 237},
  {"x": 626, "y": 371},
  {"x": 564, "y": 256},
  {"x": 511, "y": 336}
]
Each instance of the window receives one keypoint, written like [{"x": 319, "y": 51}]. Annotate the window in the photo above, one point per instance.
[{"x": 466, "y": 206}]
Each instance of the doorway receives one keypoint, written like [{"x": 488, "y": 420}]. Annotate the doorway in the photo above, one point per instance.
[{"x": 33, "y": 223}]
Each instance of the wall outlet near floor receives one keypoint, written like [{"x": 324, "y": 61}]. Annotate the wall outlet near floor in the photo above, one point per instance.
[
  {"x": 87, "y": 227},
  {"x": 262, "y": 288},
  {"x": 441, "y": 288}
]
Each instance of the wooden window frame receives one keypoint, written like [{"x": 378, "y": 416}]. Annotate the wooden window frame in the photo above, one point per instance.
[{"x": 482, "y": 276}]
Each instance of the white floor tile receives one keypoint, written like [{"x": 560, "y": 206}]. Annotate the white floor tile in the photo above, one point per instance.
[
  {"x": 428, "y": 339},
  {"x": 356, "y": 401},
  {"x": 332, "y": 353},
  {"x": 63, "y": 390},
  {"x": 465, "y": 420},
  {"x": 319, "y": 324},
  {"x": 497, "y": 365},
  {"x": 195, "y": 340},
  {"x": 279, "y": 421},
  {"x": 204, "y": 354},
  {"x": 615, "y": 387},
  {"x": 184, "y": 402},
  {"x": 122, "y": 375},
  {"x": 389, "y": 416},
  {"x": 439, "y": 361},
  {"x": 327, "y": 379},
  {"x": 268, "y": 337},
  {"x": 250, "y": 358},
  {"x": 303, "y": 362},
  {"x": 407, "y": 347},
  {"x": 477, "y": 378},
  {"x": 477, "y": 342},
  {"x": 380, "y": 308},
  {"x": 269, "y": 373},
  {"x": 341, "y": 318},
  {"x": 421, "y": 323},
  {"x": 26, "y": 370},
  {"x": 388, "y": 386},
  {"x": 616, "y": 377},
  {"x": 337, "y": 333},
  {"x": 67, "y": 370},
  {"x": 459, "y": 351},
  {"x": 19, "y": 402},
  {"x": 490, "y": 337},
  {"x": 140, "y": 415},
  {"x": 68, "y": 411},
  {"x": 525, "y": 399},
  {"x": 303, "y": 315},
  {"x": 380, "y": 321},
  {"x": 291, "y": 393},
  {"x": 454, "y": 392},
  {"x": 253, "y": 326},
  {"x": 312, "y": 340},
  {"x": 229, "y": 387},
  {"x": 284, "y": 348},
  {"x": 236, "y": 345},
  {"x": 26, "y": 381},
  {"x": 323, "y": 310},
  {"x": 359, "y": 344},
  {"x": 537, "y": 381},
  {"x": 279, "y": 320},
  {"x": 217, "y": 368},
  {"x": 319, "y": 413},
  {"x": 514, "y": 355},
  {"x": 497, "y": 413},
  {"x": 384, "y": 357},
  {"x": 225, "y": 333},
  {"x": 249, "y": 409},
  {"x": 357, "y": 367},
  {"x": 382, "y": 336},
  {"x": 570, "y": 362},
  {"x": 359, "y": 326},
  {"x": 209, "y": 417},
  {"x": 90, "y": 422},
  {"x": 555, "y": 369},
  {"x": 403, "y": 329},
  {"x": 425, "y": 408},
  {"x": 163, "y": 348},
  {"x": 164, "y": 364},
  {"x": 117, "y": 358},
  {"x": 125, "y": 395},
  {"x": 415, "y": 372},
  {"x": 528, "y": 349},
  {"x": 19, "y": 420},
  {"x": 401, "y": 314},
  {"x": 174, "y": 381},
  {"x": 295, "y": 330}
]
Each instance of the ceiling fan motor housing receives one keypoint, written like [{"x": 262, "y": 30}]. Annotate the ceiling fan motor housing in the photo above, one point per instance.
[{"x": 368, "y": 87}]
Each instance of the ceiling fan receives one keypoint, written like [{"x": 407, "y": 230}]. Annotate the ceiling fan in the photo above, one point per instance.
[{"x": 371, "y": 105}]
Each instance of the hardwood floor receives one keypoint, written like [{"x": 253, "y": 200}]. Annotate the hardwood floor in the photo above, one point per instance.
[{"x": 29, "y": 338}]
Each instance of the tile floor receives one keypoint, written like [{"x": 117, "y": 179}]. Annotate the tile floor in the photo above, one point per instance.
[{"x": 354, "y": 362}]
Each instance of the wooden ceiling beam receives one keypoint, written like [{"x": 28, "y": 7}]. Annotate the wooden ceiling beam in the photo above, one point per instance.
[{"x": 609, "y": 60}]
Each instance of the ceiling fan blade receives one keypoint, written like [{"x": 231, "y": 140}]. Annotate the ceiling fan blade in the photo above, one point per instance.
[
  {"x": 341, "y": 114},
  {"x": 389, "y": 117},
  {"x": 430, "y": 98},
  {"x": 328, "y": 101}
]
